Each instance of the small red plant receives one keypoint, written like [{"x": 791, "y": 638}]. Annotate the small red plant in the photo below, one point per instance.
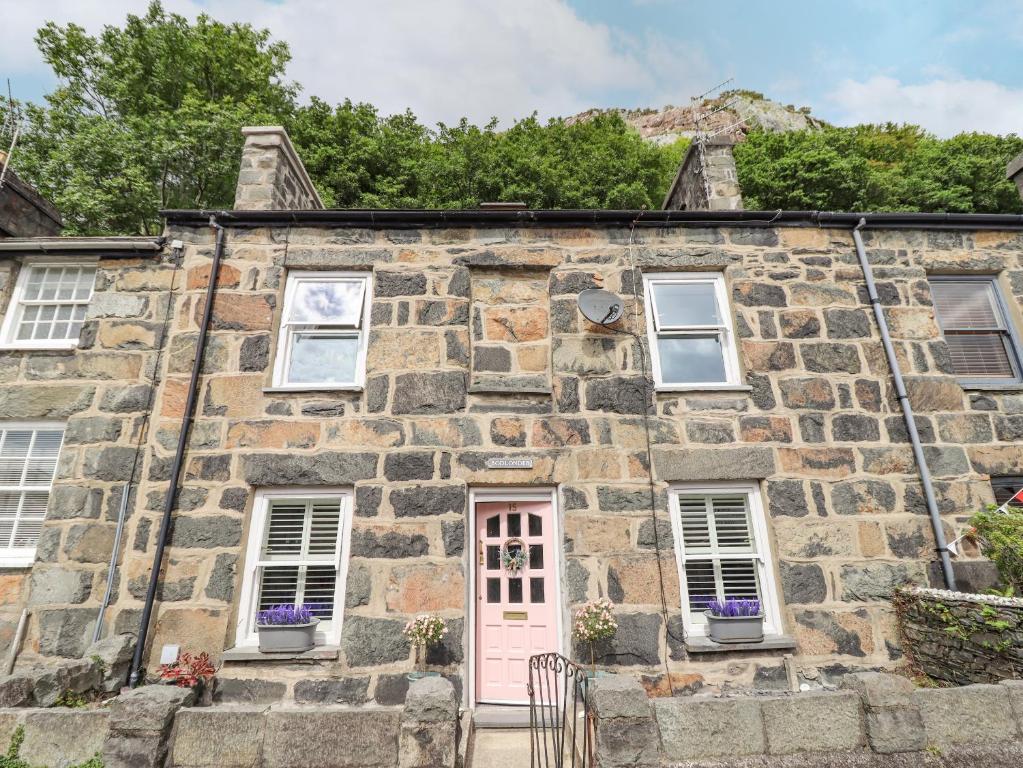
[{"x": 189, "y": 671}]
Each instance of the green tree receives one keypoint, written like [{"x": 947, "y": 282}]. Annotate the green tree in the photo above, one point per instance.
[
  {"x": 878, "y": 168},
  {"x": 147, "y": 116}
]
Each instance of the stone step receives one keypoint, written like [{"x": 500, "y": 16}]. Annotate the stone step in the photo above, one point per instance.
[
  {"x": 501, "y": 748},
  {"x": 488, "y": 716}
]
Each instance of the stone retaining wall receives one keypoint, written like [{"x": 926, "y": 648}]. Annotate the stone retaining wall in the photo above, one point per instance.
[
  {"x": 962, "y": 638},
  {"x": 876, "y": 719},
  {"x": 153, "y": 726}
]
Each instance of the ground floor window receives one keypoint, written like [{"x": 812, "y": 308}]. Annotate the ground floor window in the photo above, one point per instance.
[
  {"x": 297, "y": 553},
  {"x": 722, "y": 550},
  {"x": 28, "y": 462}
]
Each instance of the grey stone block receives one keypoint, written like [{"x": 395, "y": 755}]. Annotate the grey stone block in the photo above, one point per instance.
[
  {"x": 877, "y": 689},
  {"x": 206, "y": 532},
  {"x": 368, "y": 641},
  {"x": 974, "y": 713},
  {"x": 233, "y": 690},
  {"x": 324, "y": 468},
  {"x": 686, "y": 464},
  {"x": 211, "y": 737},
  {"x": 57, "y": 738},
  {"x": 55, "y": 586},
  {"x": 425, "y": 393},
  {"x": 148, "y": 709},
  {"x": 701, "y": 728},
  {"x": 895, "y": 729},
  {"x": 786, "y": 723},
  {"x": 427, "y": 738},
  {"x": 16, "y": 691},
  {"x": 626, "y": 731},
  {"x": 335, "y": 690},
  {"x": 324, "y": 737},
  {"x": 44, "y": 402},
  {"x": 1015, "y": 690}
]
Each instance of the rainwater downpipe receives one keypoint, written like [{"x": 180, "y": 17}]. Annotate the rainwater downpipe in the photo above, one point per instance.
[
  {"x": 136, "y": 673},
  {"x": 907, "y": 412}
]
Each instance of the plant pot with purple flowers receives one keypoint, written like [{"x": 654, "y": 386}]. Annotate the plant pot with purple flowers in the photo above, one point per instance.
[
  {"x": 735, "y": 620},
  {"x": 286, "y": 628}
]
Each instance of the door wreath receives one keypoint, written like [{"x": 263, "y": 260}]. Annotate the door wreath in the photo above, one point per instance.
[{"x": 513, "y": 555}]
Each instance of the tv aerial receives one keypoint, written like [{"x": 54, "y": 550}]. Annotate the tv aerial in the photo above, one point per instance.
[{"x": 600, "y": 306}]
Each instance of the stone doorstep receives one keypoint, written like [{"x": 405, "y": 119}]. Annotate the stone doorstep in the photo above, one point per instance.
[{"x": 500, "y": 716}]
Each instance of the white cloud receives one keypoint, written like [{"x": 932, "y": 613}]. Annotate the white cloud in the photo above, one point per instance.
[
  {"x": 442, "y": 58},
  {"x": 943, "y": 106}
]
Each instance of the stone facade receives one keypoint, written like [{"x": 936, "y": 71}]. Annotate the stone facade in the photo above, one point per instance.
[
  {"x": 477, "y": 350},
  {"x": 101, "y": 392}
]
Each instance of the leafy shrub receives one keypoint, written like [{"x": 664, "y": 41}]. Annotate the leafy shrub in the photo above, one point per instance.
[{"x": 1000, "y": 535}]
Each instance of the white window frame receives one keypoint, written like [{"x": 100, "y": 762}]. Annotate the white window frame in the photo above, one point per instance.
[
  {"x": 245, "y": 628},
  {"x": 1010, "y": 336},
  {"x": 725, "y": 331},
  {"x": 765, "y": 564},
  {"x": 286, "y": 334},
  {"x": 24, "y": 557},
  {"x": 17, "y": 304}
]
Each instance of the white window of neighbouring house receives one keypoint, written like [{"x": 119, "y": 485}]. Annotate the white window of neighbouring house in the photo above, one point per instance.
[
  {"x": 48, "y": 305},
  {"x": 690, "y": 330},
  {"x": 981, "y": 341},
  {"x": 722, "y": 550},
  {"x": 28, "y": 462},
  {"x": 297, "y": 553},
  {"x": 322, "y": 342}
]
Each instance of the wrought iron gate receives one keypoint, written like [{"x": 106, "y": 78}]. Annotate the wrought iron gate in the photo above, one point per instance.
[{"x": 560, "y": 727}]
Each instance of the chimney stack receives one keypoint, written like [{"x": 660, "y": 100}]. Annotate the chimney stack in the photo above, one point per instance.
[
  {"x": 272, "y": 177},
  {"x": 706, "y": 180},
  {"x": 1014, "y": 171}
]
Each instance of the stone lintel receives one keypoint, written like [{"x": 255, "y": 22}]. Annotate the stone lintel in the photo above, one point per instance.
[{"x": 697, "y": 464}]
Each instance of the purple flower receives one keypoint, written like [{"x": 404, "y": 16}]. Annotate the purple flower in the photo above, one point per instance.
[
  {"x": 285, "y": 613},
  {"x": 733, "y": 607}
]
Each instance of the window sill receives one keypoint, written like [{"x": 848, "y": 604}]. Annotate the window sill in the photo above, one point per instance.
[
  {"x": 698, "y": 645},
  {"x": 70, "y": 347},
  {"x": 252, "y": 653},
  {"x": 986, "y": 386},
  {"x": 669, "y": 388},
  {"x": 299, "y": 390}
]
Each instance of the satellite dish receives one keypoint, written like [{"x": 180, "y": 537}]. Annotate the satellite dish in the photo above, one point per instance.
[{"x": 600, "y": 306}]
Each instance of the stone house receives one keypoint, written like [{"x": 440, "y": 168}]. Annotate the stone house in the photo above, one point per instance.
[{"x": 390, "y": 404}]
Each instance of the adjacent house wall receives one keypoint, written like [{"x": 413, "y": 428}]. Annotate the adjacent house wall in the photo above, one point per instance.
[{"x": 101, "y": 392}]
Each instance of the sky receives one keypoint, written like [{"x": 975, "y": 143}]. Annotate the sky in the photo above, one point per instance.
[{"x": 950, "y": 66}]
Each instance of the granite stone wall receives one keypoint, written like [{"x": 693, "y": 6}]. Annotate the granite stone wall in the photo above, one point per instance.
[
  {"x": 816, "y": 424},
  {"x": 101, "y": 391}
]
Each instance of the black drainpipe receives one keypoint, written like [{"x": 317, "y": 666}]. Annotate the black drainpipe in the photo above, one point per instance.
[{"x": 172, "y": 491}]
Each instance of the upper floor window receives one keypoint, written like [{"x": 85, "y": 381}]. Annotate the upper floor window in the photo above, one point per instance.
[
  {"x": 975, "y": 324},
  {"x": 48, "y": 306},
  {"x": 322, "y": 342},
  {"x": 722, "y": 549},
  {"x": 690, "y": 328},
  {"x": 297, "y": 554},
  {"x": 28, "y": 462}
]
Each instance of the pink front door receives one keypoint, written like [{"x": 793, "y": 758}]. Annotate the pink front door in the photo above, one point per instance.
[{"x": 516, "y": 611}]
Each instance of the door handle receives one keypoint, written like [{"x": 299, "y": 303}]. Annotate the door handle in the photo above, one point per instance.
[{"x": 481, "y": 551}]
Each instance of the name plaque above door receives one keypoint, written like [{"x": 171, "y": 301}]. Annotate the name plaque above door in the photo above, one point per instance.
[{"x": 495, "y": 462}]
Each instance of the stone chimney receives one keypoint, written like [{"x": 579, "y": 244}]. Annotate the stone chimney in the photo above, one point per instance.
[
  {"x": 1015, "y": 172},
  {"x": 272, "y": 178},
  {"x": 706, "y": 180}
]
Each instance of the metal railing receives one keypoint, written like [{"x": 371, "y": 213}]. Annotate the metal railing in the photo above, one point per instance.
[{"x": 560, "y": 726}]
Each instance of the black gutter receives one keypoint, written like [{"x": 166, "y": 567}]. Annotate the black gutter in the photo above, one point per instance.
[
  {"x": 416, "y": 218},
  {"x": 136, "y": 672}
]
